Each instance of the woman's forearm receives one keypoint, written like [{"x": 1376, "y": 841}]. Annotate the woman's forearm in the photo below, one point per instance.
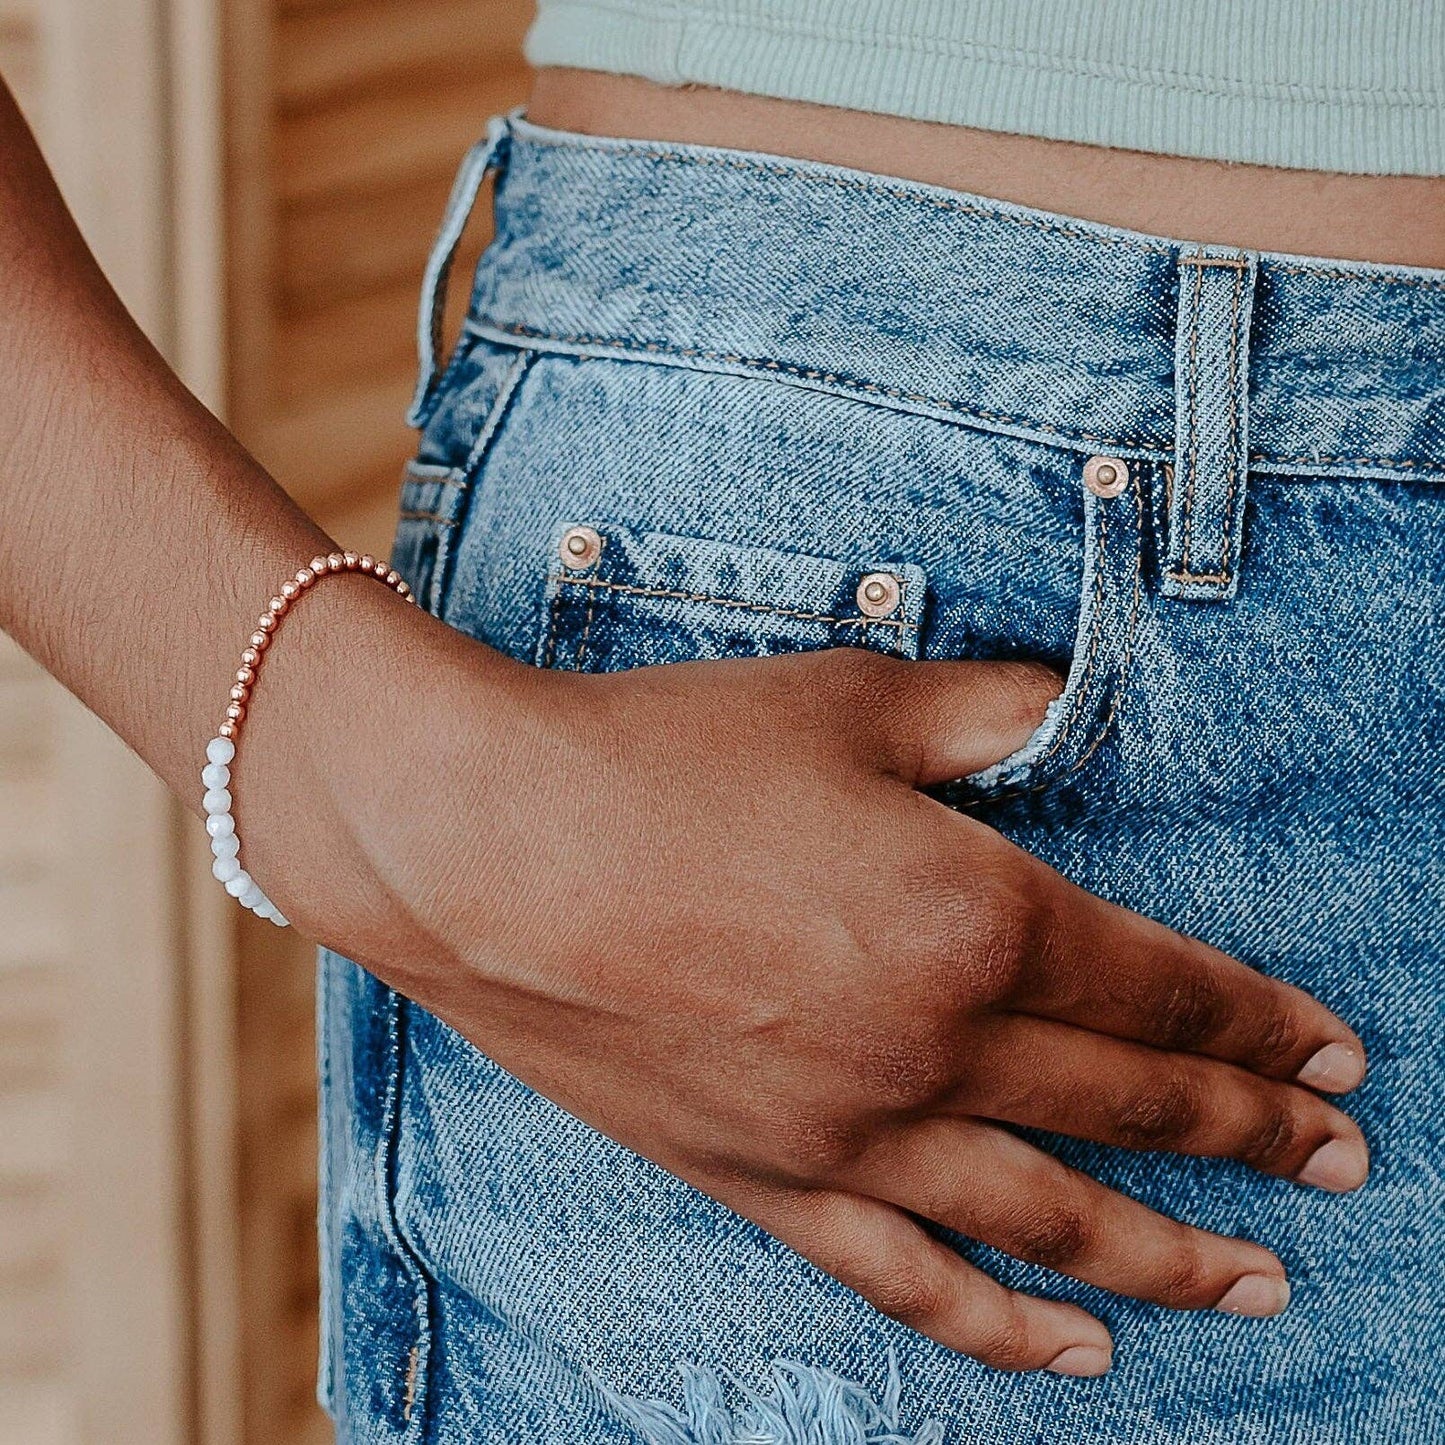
[{"x": 138, "y": 544}]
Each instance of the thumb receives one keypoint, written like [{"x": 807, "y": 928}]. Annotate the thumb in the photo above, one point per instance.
[{"x": 953, "y": 718}]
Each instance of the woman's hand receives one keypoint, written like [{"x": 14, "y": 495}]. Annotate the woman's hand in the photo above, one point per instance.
[{"x": 706, "y": 909}]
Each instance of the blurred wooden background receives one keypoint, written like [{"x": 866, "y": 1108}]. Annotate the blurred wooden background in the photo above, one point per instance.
[{"x": 263, "y": 179}]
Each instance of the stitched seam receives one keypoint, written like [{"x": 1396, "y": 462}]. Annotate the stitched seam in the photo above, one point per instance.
[
  {"x": 597, "y": 584},
  {"x": 426, "y": 517},
  {"x": 553, "y": 611},
  {"x": 1130, "y": 632},
  {"x": 1192, "y": 413},
  {"x": 1264, "y": 459},
  {"x": 1225, "y": 554},
  {"x": 1231, "y": 261},
  {"x": 804, "y": 373},
  {"x": 1096, "y": 630},
  {"x": 946, "y": 204},
  {"x": 591, "y": 608},
  {"x": 1426, "y": 283},
  {"x": 849, "y": 183},
  {"x": 1198, "y": 576}
]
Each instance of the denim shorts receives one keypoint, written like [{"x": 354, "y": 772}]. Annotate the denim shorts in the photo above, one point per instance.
[{"x": 754, "y": 383}]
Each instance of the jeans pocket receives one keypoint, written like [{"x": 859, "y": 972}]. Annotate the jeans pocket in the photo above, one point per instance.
[{"x": 618, "y": 598}]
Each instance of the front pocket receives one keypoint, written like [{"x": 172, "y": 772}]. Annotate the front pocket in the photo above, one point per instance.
[{"x": 618, "y": 598}]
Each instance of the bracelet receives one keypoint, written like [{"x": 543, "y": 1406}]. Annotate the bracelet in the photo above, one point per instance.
[{"x": 221, "y": 750}]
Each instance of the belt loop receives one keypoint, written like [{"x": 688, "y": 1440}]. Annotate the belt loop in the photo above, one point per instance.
[
  {"x": 1206, "y": 490},
  {"x": 487, "y": 155}
]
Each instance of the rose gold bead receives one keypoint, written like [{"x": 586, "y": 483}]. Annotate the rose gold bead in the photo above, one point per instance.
[
  {"x": 250, "y": 657},
  {"x": 393, "y": 578},
  {"x": 278, "y": 605},
  {"x": 259, "y": 640},
  {"x": 337, "y": 562},
  {"x": 290, "y": 590},
  {"x": 235, "y": 712},
  {"x": 304, "y": 578},
  {"x": 240, "y": 692},
  {"x": 246, "y": 675},
  {"x": 228, "y": 729},
  {"x": 349, "y": 560},
  {"x": 403, "y": 589},
  {"x": 318, "y": 566},
  {"x": 366, "y": 562},
  {"x": 266, "y": 622}
]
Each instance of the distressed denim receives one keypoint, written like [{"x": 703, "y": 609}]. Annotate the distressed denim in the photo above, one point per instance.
[{"x": 757, "y": 382}]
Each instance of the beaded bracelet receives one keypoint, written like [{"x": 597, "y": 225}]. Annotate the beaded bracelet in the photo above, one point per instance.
[{"x": 221, "y": 750}]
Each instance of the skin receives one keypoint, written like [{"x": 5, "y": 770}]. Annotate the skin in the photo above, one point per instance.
[{"x": 886, "y": 980}]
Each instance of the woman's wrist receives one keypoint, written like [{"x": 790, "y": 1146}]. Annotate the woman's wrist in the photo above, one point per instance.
[{"x": 369, "y": 720}]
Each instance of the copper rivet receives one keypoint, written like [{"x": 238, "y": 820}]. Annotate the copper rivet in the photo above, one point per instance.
[
  {"x": 581, "y": 547},
  {"x": 1106, "y": 476},
  {"x": 878, "y": 594}
]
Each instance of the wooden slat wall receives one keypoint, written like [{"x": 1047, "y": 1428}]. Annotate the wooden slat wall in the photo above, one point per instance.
[
  {"x": 347, "y": 120},
  {"x": 36, "y": 1388}
]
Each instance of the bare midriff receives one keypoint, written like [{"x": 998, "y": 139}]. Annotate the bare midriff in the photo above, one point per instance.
[{"x": 1396, "y": 220}]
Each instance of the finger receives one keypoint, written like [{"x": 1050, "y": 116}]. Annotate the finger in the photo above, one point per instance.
[
  {"x": 1053, "y": 1076},
  {"x": 992, "y": 1186},
  {"x": 1103, "y": 968},
  {"x": 903, "y": 1271},
  {"x": 942, "y": 720}
]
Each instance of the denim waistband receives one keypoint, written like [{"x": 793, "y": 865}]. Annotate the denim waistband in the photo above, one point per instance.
[{"x": 973, "y": 309}]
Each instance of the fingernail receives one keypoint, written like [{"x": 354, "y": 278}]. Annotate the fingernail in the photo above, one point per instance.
[
  {"x": 1337, "y": 1069},
  {"x": 1257, "y": 1295},
  {"x": 1081, "y": 1360},
  {"x": 1339, "y": 1166}
]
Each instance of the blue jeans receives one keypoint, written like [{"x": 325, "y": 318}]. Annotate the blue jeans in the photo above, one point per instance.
[{"x": 759, "y": 382}]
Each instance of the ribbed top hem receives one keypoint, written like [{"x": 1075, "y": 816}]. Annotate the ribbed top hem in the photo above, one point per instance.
[{"x": 1355, "y": 86}]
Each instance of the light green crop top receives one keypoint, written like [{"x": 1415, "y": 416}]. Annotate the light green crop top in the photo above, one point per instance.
[{"x": 1331, "y": 85}]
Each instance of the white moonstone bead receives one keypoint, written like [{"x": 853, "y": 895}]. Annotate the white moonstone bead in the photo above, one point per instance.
[
  {"x": 281, "y": 922},
  {"x": 226, "y": 846},
  {"x": 216, "y": 775},
  {"x": 217, "y": 800},
  {"x": 252, "y": 896},
  {"x": 225, "y": 869},
  {"x": 220, "y": 750},
  {"x": 265, "y": 909},
  {"x": 239, "y": 884},
  {"x": 220, "y": 825}
]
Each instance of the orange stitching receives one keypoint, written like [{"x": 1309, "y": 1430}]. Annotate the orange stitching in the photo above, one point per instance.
[
  {"x": 413, "y": 1364},
  {"x": 591, "y": 608},
  {"x": 1198, "y": 576},
  {"x": 1130, "y": 632},
  {"x": 1096, "y": 629},
  {"x": 553, "y": 610},
  {"x": 597, "y": 584},
  {"x": 1428, "y": 283},
  {"x": 872, "y": 388},
  {"x": 847, "y": 183},
  {"x": 1214, "y": 261},
  {"x": 1187, "y": 517},
  {"x": 1264, "y": 459},
  {"x": 947, "y": 204},
  {"x": 1224, "y": 550}
]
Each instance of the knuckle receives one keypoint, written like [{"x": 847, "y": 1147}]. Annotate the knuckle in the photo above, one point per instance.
[
  {"x": 1272, "y": 1136},
  {"x": 918, "y": 1300},
  {"x": 1005, "y": 1341},
  {"x": 816, "y": 1148},
  {"x": 1182, "y": 1279},
  {"x": 1053, "y": 1233},
  {"x": 1190, "y": 1011},
  {"x": 1278, "y": 1039},
  {"x": 1164, "y": 1115}
]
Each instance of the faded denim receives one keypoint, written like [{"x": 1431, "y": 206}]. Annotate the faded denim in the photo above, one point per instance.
[{"x": 759, "y": 380}]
